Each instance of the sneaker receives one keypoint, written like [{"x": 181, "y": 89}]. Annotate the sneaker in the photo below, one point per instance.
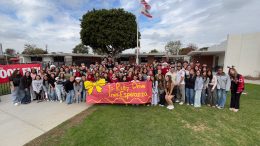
[
  {"x": 171, "y": 107},
  {"x": 168, "y": 107},
  {"x": 60, "y": 101},
  {"x": 231, "y": 109},
  {"x": 188, "y": 104},
  {"x": 235, "y": 110},
  {"x": 16, "y": 104},
  {"x": 177, "y": 100},
  {"x": 161, "y": 105},
  {"x": 220, "y": 107},
  {"x": 181, "y": 103},
  {"x": 208, "y": 104},
  {"x": 191, "y": 104}
]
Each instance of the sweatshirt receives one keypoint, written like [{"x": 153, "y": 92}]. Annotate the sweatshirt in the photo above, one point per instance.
[
  {"x": 223, "y": 82},
  {"x": 37, "y": 85},
  {"x": 68, "y": 86},
  {"x": 198, "y": 83}
]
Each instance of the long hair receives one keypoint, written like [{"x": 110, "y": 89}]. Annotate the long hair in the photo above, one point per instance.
[
  {"x": 211, "y": 75},
  {"x": 168, "y": 83},
  {"x": 234, "y": 76},
  {"x": 15, "y": 73}
]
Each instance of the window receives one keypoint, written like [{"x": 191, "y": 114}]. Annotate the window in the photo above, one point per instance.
[{"x": 36, "y": 58}]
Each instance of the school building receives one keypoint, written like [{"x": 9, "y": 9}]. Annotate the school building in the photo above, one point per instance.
[{"x": 239, "y": 50}]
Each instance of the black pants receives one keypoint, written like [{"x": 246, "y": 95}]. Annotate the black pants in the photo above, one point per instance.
[
  {"x": 38, "y": 95},
  {"x": 162, "y": 98},
  {"x": 235, "y": 98}
]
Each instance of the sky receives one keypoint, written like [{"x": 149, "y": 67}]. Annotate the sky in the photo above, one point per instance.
[{"x": 56, "y": 22}]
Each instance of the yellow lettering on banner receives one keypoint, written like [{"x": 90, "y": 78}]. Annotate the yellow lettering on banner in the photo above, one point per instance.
[
  {"x": 120, "y": 87},
  {"x": 136, "y": 85}
]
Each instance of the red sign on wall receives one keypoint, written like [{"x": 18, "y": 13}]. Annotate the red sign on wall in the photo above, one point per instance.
[{"x": 7, "y": 70}]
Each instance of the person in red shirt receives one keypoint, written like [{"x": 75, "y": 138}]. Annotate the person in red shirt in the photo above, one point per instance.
[
  {"x": 114, "y": 79},
  {"x": 129, "y": 77},
  {"x": 165, "y": 68},
  {"x": 237, "y": 87},
  {"x": 90, "y": 77}
]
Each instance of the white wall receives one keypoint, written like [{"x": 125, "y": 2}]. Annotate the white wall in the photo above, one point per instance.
[
  {"x": 47, "y": 59},
  {"x": 243, "y": 51},
  {"x": 24, "y": 59},
  {"x": 221, "y": 59}
]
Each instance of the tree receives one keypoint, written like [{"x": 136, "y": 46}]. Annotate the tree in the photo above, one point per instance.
[
  {"x": 204, "y": 49},
  {"x": 154, "y": 51},
  {"x": 109, "y": 31},
  {"x": 173, "y": 47},
  {"x": 185, "y": 51},
  {"x": 190, "y": 47},
  {"x": 31, "y": 49},
  {"x": 80, "y": 48},
  {"x": 10, "y": 52}
]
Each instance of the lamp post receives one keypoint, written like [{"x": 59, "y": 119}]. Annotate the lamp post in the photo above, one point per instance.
[{"x": 6, "y": 58}]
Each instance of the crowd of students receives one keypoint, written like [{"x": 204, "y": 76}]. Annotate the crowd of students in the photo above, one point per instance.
[{"x": 182, "y": 82}]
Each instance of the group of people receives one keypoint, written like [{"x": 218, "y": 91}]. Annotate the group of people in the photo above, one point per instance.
[{"x": 182, "y": 82}]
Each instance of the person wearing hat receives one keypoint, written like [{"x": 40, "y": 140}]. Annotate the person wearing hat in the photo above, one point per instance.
[
  {"x": 59, "y": 88},
  {"x": 78, "y": 85}
]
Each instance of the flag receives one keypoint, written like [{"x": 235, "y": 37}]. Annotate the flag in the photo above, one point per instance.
[
  {"x": 146, "y": 9},
  {"x": 146, "y": 5},
  {"x": 146, "y": 13}
]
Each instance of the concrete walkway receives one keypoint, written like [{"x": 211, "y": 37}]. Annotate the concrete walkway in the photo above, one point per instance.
[{"x": 20, "y": 124}]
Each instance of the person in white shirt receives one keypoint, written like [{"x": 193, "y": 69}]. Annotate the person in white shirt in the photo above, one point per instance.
[{"x": 180, "y": 83}]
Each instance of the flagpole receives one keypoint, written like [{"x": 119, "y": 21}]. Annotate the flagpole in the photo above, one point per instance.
[{"x": 137, "y": 42}]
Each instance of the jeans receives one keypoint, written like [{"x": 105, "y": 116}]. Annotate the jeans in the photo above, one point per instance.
[
  {"x": 59, "y": 91},
  {"x": 26, "y": 96},
  {"x": 83, "y": 95},
  {"x": 70, "y": 95},
  {"x": 52, "y": 94},
  {"x": 190, "y": 95},
  {"x": 222, "y": 95},
  {"x": 78, "y": 96},
  {"x": 15, "y": 94},
  {"x": 197, "y": 102}
]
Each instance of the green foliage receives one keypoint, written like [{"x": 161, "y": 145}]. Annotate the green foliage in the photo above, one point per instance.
[
  {"x": 80, "y": 48},
  {"x": 185, "y": 125},
  {"x": 10, "y": 52},
  {"x": 173, "y": 47},
  {"x": 188, "y": 49},
  {"x": 204, "y": 49},
  {"x": 154, "y": 51},
  {"x": 31, "y": 49},
  {"x": 109, "y": 31}
]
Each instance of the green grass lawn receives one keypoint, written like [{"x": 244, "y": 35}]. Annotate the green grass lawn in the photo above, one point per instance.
[{"x": 119, "y": 125}]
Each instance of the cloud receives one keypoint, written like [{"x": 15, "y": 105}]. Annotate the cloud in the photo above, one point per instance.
[{"x": 57, "y": 24}]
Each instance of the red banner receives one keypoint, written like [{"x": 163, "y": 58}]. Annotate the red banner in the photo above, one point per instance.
[
  {"x": 120, "y": 93},
  {"x": 7, "y": 70}
]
